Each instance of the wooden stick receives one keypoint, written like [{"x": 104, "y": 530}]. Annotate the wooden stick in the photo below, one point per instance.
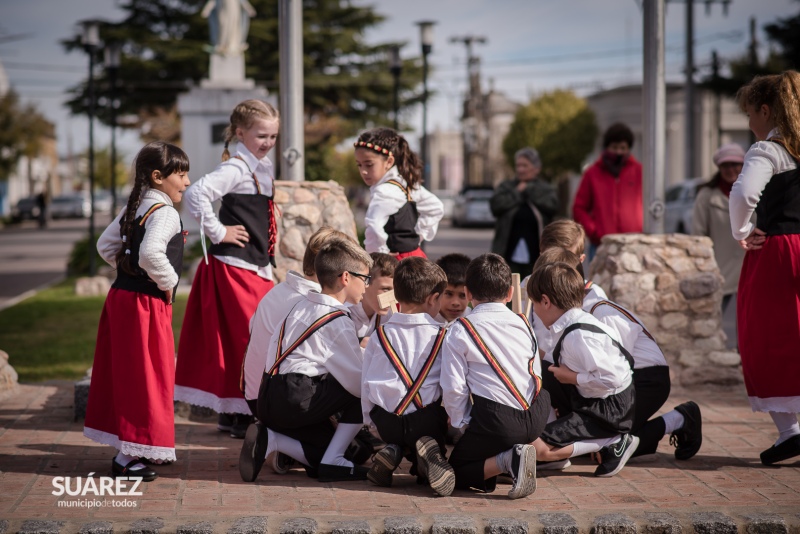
[
  {"x": 516, "y": 298},
  {"x": 388, "y": 300}
]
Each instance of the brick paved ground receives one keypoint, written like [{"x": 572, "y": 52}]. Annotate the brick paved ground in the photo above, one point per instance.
[{"x": 39, "y": 441}]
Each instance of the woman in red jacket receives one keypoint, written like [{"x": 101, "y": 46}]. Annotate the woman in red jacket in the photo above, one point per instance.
[{"x": 609, "y": 199}]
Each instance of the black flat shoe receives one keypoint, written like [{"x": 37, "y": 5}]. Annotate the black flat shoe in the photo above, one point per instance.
[
  {"x": 254, "y": 452},
  {"x": 147, "y": 461},
  {"x": 788, "y": 449},
  {"x": 119, "y": 470},
  {"x": 340, "y": 473}
]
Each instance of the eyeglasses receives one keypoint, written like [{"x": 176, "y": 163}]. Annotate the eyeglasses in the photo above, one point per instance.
[{"x": 365, "y": 277}]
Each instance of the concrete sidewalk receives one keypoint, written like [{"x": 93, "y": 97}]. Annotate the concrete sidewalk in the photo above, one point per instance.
[{"x": 723, "y": 489}]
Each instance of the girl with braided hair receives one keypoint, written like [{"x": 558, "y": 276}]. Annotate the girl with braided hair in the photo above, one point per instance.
[
  {"x": 236, "y": 274},
  {"x": 130, "y": 399},
  {"x": 401, "y": 212}
]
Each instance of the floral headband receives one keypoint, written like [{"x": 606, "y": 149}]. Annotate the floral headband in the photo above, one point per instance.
[{"x": 373, "y": 146}]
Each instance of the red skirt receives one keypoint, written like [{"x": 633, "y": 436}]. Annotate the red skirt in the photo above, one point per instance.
[
  {"x": 769, "y": 324},
  {"x": 416, "y": 252},
  {"x": 130, "y": 397},
  {"x": 216, "y": 329}
]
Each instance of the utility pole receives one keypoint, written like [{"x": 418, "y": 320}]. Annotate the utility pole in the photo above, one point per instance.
[
  {"x": 753, "y": 57},
  {"x": 717, "y": 97},
  {"x": 290, "y": 35},
  {"x": 689, "y": 92},
  {"x": 654, "y": 114},
  {"x": 473, "y": 114}
]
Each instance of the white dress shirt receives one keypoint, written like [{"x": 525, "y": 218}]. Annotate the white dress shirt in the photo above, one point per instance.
[
  {"x": 601, "y": 367},
  {"x": 465, "y": 371},
  {"x": 644, "y": 350},
  {"x": 412, "y": 335},
  {"x": 332, "y": 349},
  {"x": 387, "y": 199},
  {"x": 271, "y": 311},
  {"x": 160, "y": 228},
  {"x": 764, "y": 160},
  {"x": 232, "y": 176},
  {"x": 365, "y": 326}
]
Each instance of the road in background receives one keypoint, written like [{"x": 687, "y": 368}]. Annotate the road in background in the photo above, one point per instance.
[{"x": 470, "y": 241}]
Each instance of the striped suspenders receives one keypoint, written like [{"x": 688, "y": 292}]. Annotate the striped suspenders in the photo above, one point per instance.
[
  {"x": 316, "y": 325},
  {"x": 589, "y": 328},
  {"x": 501, "y": 373},
  {"x": 405, "y": 190},
  {"x": 150, "y": 211},
  {"x": 628, "y": 315},
  {"x": 413, "y": 386}
]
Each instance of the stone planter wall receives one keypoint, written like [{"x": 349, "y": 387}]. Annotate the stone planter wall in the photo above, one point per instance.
[{"x": 672, "y": 283}]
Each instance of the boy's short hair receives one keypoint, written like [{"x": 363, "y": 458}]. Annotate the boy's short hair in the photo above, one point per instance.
[
  {"x": 564, "y": 233},
  {"x": 455, "y": 267},
  {"x": 382, "y": 264},
  {"x": 559, "y": 254},
  {"x": 416, "y": 278},
  {"x": 618, "y": 133},
  {"x": 337, "y": 256},
  {"x": 488, "y": 278},
  {"x": 562, "y": 284},
  {"x": 315, "y": 243}
]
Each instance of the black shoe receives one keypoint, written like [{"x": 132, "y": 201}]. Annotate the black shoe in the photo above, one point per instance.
[
  {"x": 688, "y": 438},
  {"x": 368, "y": 437},
  {"x": 241, "y": 423},
  {"x": 614, "y": 457},
  {"x": 119, "y": 470},
  {"x": 384, "y": 465},
  {"x": 339, "y": 473},
  {"x": 254, "y": 452},
  {"x": 432, "y": 464},
  {"x": 523, "y": 471},
  {"x": 225, "y": 422},
  {"x": 280, "y": 463},
  {"x": 777, "y": 453}
]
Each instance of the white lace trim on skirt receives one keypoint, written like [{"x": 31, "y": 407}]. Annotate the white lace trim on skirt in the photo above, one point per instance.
[
  {"x": 138, "y": 450},
  {"x": 205, "y": 399}
]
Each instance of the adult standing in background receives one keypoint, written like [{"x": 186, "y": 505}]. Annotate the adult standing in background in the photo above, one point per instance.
[
  {"x": 523, "y": 206},
  {"x": 609, "y": 198}
]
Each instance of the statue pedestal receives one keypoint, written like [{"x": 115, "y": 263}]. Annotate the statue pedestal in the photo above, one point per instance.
[{"x": 227, "y": 72}]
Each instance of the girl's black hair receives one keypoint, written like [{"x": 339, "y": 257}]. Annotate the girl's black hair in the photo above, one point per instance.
[
  {"x": 155, "y": 156},
  {"x": 407, "y": 162}
]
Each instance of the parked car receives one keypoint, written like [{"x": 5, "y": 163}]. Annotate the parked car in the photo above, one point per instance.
[
  {"x": 70, "y": 206},
  {"x": 448, "y": 199},
  {"x": 102, "y": 201},
  {"x": 472, "y": 207},
  {"x": 679, "y": 204},
  {"x": 26, "y": 208}
]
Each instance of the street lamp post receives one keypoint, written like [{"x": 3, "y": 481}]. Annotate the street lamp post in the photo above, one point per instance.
[
  {"x": 396, "y": 68},
  {"x": 111, "y": 60},
  {"x": 426, "y": 38},
  {"x": 90, "y": 39}
]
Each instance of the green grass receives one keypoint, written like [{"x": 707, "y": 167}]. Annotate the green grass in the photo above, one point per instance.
[{"x": 52, "y": 335}]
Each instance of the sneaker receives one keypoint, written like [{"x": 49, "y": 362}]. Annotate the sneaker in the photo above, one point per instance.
[
  {"x": 557, "y": 465},
  {"x": 616, "y": 456},
  {"x": 523, "y": 471},
  {"x": 432, "y": 464},
  {"x": 688, "y": 438},
  {"x": 241, "y": 422},
  {"x": 225, "y": 422},
  {"x": 254, "y": 451},
  {"x": 383, "y": 466},
  {"x": 777, "y": 453},
  {"x": 280, "y": 463}
]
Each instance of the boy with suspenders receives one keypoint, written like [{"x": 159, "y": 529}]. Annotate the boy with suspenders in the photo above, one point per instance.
[
  {"x": 313, "y": 371},
  {"x": 400, "y": 390},
  {"x": 491, "y": 356}
]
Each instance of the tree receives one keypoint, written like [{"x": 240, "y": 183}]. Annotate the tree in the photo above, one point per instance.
[
  {"x": 22, "y": 131},
  {"x": 560, "y": 126},
  {"x": 102, "y": 169}
]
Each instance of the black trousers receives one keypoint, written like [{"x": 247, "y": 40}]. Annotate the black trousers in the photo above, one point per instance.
[
  {"x": 404, "y": 430},
  {"x": 494, "y": 428},
  {"x": 652, "y": 386},
  {"x": 300, "y": 407}
]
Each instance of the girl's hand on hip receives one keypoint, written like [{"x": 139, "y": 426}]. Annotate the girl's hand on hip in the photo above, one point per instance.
[
  {"x": 236, "y": 235},
  {"x": 169, "y": 296},
  {"x": 754, "y": 241}
]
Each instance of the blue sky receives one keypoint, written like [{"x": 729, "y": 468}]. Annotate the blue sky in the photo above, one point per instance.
[{"x": 532, "y": 46}]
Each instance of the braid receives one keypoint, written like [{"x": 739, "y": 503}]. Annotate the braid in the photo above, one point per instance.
[
  {"x": 407, "y": 162},
  {"x": 243, "y": 116},
  {"x": 787, "y": 113},
  {"x": 126, "y": 225}
]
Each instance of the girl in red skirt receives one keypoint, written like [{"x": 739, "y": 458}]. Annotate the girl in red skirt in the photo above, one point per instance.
[
  {"x": 130, "y": 397},
  {"x": 231, "y": 282},
  {"x": 769, "y": 286},
  {"x": 401, "y": 212}
]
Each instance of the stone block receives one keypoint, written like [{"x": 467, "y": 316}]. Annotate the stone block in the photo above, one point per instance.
[
  {"x": 453, "y": 524},
  {"x": 3, "y": 522},
  {"x": 624, "y": 283},
  {"x": 706, "y": 264},
  {"x": 705, "y": 306},
  {"x": 613, "y": 524},
  {"x": 700, "y": 285},
  {"x": 150, "y": 525},
  {"x": 701, "y": 250},
  {"x": 41, "y": 526},
  {"x": 299, "y": 525},
  {"x": 203, "y": 527},
  {"x": 302, "y": 195},
  {"x": 765, "y": 524},
  {"x": 402, "y": 525},
  {"x": 710, "y": 374},
  {"x": 505, "y": 525},
  {"x": 692, "y": 358},
  {"x": 680, "y": 264},
  {"x": 661, "y": 523},
  {"x": 652, "y": 263},
  {"x": 725, "y": 358},
  {"x": 673, "y": 302},
  {"x": 674, "y": 321},
  {"x": 8, "y": 375},
  {"x": 647, "y": 282},
  {"x": 704, "y": 327},
  {"x": 558, "y": 523},
  {"x": 713, "y": 523},
  {"x": 630, "y": 263},
  {"x": 92, "y": 286},
  {"x": 647, "y": 304},
  {"x": 305, "y": 214},
  {"x": 666, "y": 282},
  {"x": 292, "y": 244},
  {"x": 350, "y": 527},
  {"x": 281, "y": 196},
  {"x": 716, "y": 342}
]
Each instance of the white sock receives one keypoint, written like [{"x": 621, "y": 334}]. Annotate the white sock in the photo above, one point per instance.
[
  {"x": 124, "y": 459},
  {"x": 673, "y": 420},
  {"x": 787, "y": 425},
  {"x": 288, "y": 446},
  {"x": 334, "y": 454},
  {"x": 551, "y": 416},
  {"x": 503, "y": 461},
  {"x": 579, "y": 448}
]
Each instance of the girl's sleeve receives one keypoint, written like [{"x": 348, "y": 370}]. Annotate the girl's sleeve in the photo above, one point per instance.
[
  {"x": 201, "y": 195},
  {"x": 760, "y": 164},
  {"x": 160, "y": 227},
  {"x": 386, "y": 201},
  {"x": 431, "y": 211},
  {"x": 110, "y": 241}
]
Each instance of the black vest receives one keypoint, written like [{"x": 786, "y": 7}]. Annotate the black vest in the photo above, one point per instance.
[
  {"x": 401, "y": 227},
  {"x": 141, "y": 283},
  {"x": 778, "y": 209},
  {"x": 252, "y": 212}
]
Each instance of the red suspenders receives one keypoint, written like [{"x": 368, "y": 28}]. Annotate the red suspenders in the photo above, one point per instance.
[
  {"x": 150, "y": 211},
  {"x": 501, "y": 373},
  {"x": 624, "y": 312},
  {"x": 413, "y": 385},
  {"x": 316, "y": 325}
]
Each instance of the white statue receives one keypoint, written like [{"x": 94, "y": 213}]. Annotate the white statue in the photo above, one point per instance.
[{"x": 228, "y": 22}]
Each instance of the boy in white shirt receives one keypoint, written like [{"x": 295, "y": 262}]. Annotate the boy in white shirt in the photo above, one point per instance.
[
  {"x": 400, "y": 390},
  {"x": 595, "y": 369},
  {"x": 367, "y": 314},
  {"x": 491, "y": 357},
  {"x": 454, "y": 302},
  {"x": 314, "y": 371}
]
